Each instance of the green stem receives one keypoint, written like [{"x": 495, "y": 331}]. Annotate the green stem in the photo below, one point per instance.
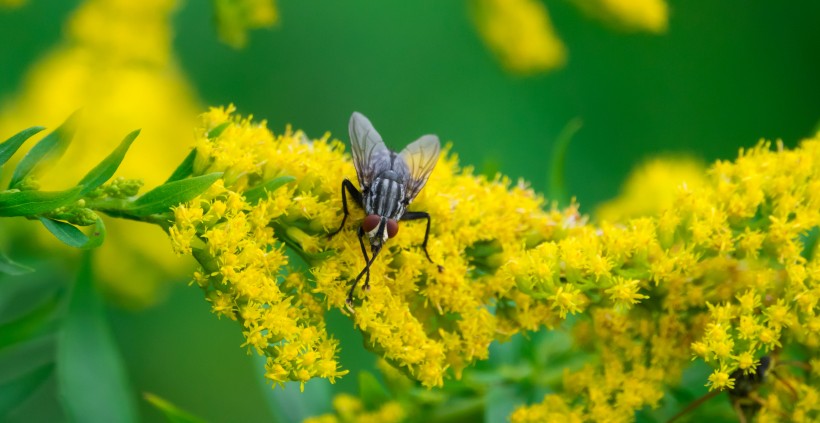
[{"x": 119, "y": 208}]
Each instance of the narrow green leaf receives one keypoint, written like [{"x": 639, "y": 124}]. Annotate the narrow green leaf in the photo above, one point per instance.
[
  {"x": 10, "y": 267},
  {"x": 11, "y": 145},
  {"x": 257, "y": 193},
  {"x": 34, "y": 322},
  {"x": 67, "y": 233},
  {"x": 44, "y": 152},
  {"x": 30, "y": 203},
  {"x": 500, "y": 401},
  {"x": 218, "y": 129},
  {"x": 184, "y": 169},
  {"x": 173, "y": 413},
  {"x": 371, "y": 391},
  {"x": 106, "y": 168},
  {"x": 73, "y": 236},
  {"x": 163, "y": 197},
  {"x": 15, "y": 392},
  {"x": 557, "y": 186},
  {"x": 24, "y": 357},
  {"x": 91, "y": 378}
]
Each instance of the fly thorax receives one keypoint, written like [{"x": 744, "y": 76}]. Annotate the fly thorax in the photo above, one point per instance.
[{"x": 386, "y": 195}]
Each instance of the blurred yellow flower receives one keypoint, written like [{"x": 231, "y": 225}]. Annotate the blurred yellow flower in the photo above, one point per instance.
[
  {"x": 348, "y": 408},
  {"x": 652, "y": 187},
  {"x": 520, "y": 33},
  {"x": 115, "y": 64},
  {"x": 235, "y": 17},
  {"x": 632, "y": 15},
  {"x": 12, "y": 3}
]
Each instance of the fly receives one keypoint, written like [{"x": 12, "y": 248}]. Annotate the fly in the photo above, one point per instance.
[{"x": 389, "y": 182}]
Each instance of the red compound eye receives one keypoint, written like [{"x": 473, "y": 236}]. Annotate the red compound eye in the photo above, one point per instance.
[
  {"x": 371, "y": 222},
  {"x": 392, "y": 228}
]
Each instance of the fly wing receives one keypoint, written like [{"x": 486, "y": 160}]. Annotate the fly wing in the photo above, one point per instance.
[
  {"x": 421, "y": 157},
  {"x": 370, "y": 155}
]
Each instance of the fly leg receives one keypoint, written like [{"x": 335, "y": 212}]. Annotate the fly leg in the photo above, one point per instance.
[
  {"x": 422, "y": 215},
  {"x": 366, "y": 285},
  {"x": 357, "y": 197},
  {"x": 364, "y": 271}
]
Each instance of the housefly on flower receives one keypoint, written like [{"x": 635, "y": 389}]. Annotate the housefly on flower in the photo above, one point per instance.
[{"x": 389, "y": 182}]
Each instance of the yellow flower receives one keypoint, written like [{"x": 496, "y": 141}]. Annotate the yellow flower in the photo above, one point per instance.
[
  {"x": 350, "y": 409},
  {"x": 633, "y": 15},
  {"x": 520, "y": 33},
  {"x": 624, "y": 293},
  {"x": 720, "y": 379},
  {"x": 645, "y": 288},
  {"x": 10, "y": 4},
  {"x": 728, "y": 262},
  {"x": 235, "y": 17},
  {"x": 652, "y": 187},
  {"x": 115, "y": 64}
]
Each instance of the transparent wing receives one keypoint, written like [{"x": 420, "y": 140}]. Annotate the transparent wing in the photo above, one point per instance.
[
  {"x": 370, "y": 155},
  {"x": 421, "y": 157}
]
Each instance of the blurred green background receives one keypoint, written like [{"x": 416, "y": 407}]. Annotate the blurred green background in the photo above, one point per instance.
[{"x": 724, "y": 75}]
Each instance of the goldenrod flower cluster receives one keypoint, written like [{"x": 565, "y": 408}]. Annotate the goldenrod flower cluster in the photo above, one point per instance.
[
  {"x": 243, "y": 264},
  {"x": 422, "y": 319},
  {"x": 729, "y": 268}
]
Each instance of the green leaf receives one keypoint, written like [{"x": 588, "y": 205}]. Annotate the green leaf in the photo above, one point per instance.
[
  {"x": 106, "y": 168},
  {"x": 163, "y": 197},
  {"x": 30, "y": 203},
  {"x": 10, "y": 267},
  {"x": 173, "y": 413},
  {"x": 67, "y": 233},
  {"x": 557, "y": 186},
  {"x": 23, "y": 368},
  {"x": 218, "y": 129},
  {"x": 91, "y": 378},
  {"x": 184, "y": 169},
  {"x": 11, "y": 145},
  {"x": 73, "y": 236},
  {"x": 371, "y": 391},
  {"x": 23, "y": 357},
  {"x": 32, "y": 323},
  {"x": 15, "y": 392},
  {"x": 257, "y": 193},
  {"x": 500, "y": 401},
  {"x": 44, "y": 152}
]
